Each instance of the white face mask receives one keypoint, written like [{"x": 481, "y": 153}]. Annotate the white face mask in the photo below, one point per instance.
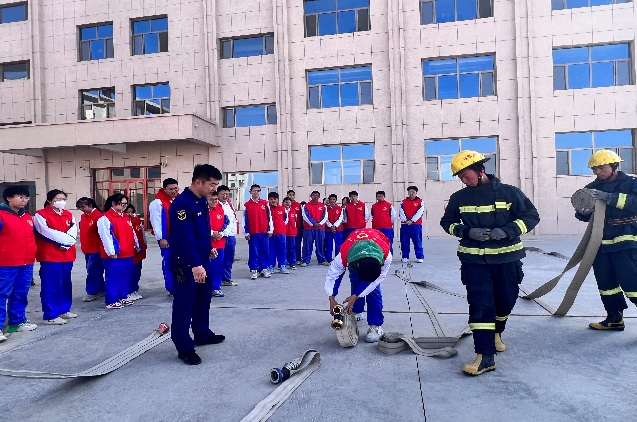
[{"x": 60, "y": 204}]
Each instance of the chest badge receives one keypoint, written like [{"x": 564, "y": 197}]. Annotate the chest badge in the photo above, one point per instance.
[
  {"x": 30, "y": 222},
  {"x": 181, "y": 215},
  {"x": 199, "y": 214},
  {"x": 362, "y": 235}
]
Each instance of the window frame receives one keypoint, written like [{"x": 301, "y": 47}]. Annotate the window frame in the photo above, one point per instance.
[
  {"x": 264, "y": 42},
  {"x": 242, "y": 181},
  {"x": 565, "y": 66},
  {"x": 494, "y": 156},
  {"x": 455, "y": 9},
  {"x": 143, "y": 35},
  {"x": 565, "y": 4},
  {"x": 336, "y": 11},
  {"x": 8, "y": 5},
  {"x": 84, "y": 107},
  {"x": 25, "y": 62},
  {"x": 338, "y": 84},
  {"x": 81, "y": 42},
  {"x": 342, "y": 166},
  {"x": 161, "y": 99},
  {"x": 593, "y": 148},
  {"x": 480, "y": 73},
  {"x": 266, "y": 112}
]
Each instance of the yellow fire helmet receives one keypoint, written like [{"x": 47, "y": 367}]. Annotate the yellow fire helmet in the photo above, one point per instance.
[
  {"x": 464, "y": 159},
  {"x": 603, "y": 156}
]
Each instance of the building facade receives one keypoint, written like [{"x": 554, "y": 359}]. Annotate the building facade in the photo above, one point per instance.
[{"x": 330, "y": 95}]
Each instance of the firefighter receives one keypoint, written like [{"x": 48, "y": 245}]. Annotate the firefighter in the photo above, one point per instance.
[
  {"x": 615, "y": 265},
  {"x": 489, "y": 217}
]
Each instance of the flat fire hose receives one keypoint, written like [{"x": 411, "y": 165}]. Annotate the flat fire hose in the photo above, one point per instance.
[
  {"x": 439, "y": 346},
  {"x": 346, "y": 327},
  {"x": 299, "y": 370},
  {"x": 584, "y": 255},
  {"x": 109, "y": 365}
]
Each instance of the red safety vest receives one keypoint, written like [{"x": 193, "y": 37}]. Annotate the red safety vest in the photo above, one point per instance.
[
  {"x": 217, "y": 218},
  {"x": 381, "y": 215},
  {"x": 410, "y": 207},
  {"x": 364, "y": 234},
  {"x": 138, "y": 226},
  {"x": 122, "y": 228},
  {"x": 165, "y": 200},
  {"x": 355, "y": 215},
  {"x": 17, "y": 240},
  {"x": 333, "y": 214},
  {"x": 89, "y": 237},
  {"x": 47, "y": 250},
  {"x": 292, "y": 227},
  {"x": 316, "y": 212},
  {"x": 257, "y": 216},
  {"x": 278, "y": 219},
  {"x": 296, "y": 208}
]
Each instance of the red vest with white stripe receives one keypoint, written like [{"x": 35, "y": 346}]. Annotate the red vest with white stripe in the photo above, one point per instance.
[
  {"x": 316, "y": 212},
  {"x": 333, "y": 214},
  {"x": 257, "y": 216},
  {"x": 410, "y": 207},
  {"x": 138, "y": 227},
  {"x": 296, "y": 209},
  {"x": 122, "y": 229},
  {"x": 355, "y": 215},
  {"x": 381, "y": 215},
  {"x": 47, "y": 250},
  {"x": 278, "y": 219},
  {"x": 217, "y": 218},
  {"x": 364, "y": 234},
  {"x": 89, "y": 237},
  {"x": 292, "y": 228},
  {"x": 17, "y": 240}
]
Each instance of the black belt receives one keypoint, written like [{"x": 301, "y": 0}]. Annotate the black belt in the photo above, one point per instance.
[{"x": 619, "y": 221}]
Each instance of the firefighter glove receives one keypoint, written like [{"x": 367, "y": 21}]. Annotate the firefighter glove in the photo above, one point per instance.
[
  {"x": 599, "y": 194},
  {"x": 498, "y": 234},
  {"x": 479, "y": 234}
]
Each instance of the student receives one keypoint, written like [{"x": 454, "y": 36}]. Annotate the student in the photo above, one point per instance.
[
  {"x": 296, "y": 207},
  {"x": 119, "y": 244},
  {"x": 56, "y": 236},
  {"x": 356, "y": 214},
  {"x": 411, "y": 211},
  {"x": 138, "y": 227},
  {"x": 218, "y": 223},
  {"x": 291, "y": 233},
  {"x": 344, "y": 203},
  {"x": 90, "y": 243},
  {"x": 333, "y": 227},
  {"x": 277, "y": 240},
  {"x": 230, "y": 235},
  {"x": 383, "y": 217},
  {"x": 257, "y": 226},
  {"x": 314, "y": 217},
  {"x": 17, "y": 254},
  {"x": 158, "y": 210}
]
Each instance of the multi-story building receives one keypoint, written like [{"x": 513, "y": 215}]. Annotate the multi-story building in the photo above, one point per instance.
[{"x": 327, "y": 95}]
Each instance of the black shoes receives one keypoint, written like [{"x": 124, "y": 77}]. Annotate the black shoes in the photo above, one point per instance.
[
  {"x": 213, "y": 339},
  {"x": 614, "y": 322},
  {"x": 190, "y": 358}
]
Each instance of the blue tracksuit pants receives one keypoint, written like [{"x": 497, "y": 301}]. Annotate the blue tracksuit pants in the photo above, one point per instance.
[
  {"x": 374, "y": 299},
  {"x": 390, "y": 235},
  {"x": 299, "y": 243},
  {"x": 119, "y": 274},
  {"x": 94, "y": 273},
  {"x": 165, "y": 268},
  {"x": 333, "y": 242},
  {"x": 277, "y": 250},
  {"x": 290, "y": 244},
  {"x": 313, "y": 237},
  {"x": 228, "y": 257},
  {"x": 137, "y": 275},
  {"x": 258, "y": 252},
  {"x": 411, "y": 233},
  {"x": 214, "y": 269},
  {"x": 57, "y": 291},
  {"x": 14, "y": 289}
]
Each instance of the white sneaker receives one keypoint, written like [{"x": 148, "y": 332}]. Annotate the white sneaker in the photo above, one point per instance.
[
  {"x": 217, "y": 293},
  {"x": 115, "y": 305},
  {"x": 90, "y": 298},
  {"x": 68, "y": 315},
  {"x": 254, "y": 274},
  {"x": 228, "y": 283},
  {"x": 284, "y": 270},
  {"x": 404, "y": 260},
  {"x": 55, "y": 321},
  {"x": 303, "y": 264},
  {"x": 359, "y": 316},
  {"x": 137, "y": 296},
  {"x": 2, "y": 337},
  {"x": 25, "y": 326},
  {"x": 265, "y": 273},
  {"x": 420, "y": 261},
  {"x": 373, "y": 334}
]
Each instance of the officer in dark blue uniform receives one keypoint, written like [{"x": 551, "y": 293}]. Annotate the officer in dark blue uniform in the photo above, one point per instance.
[{"x": 191, "y": 248}]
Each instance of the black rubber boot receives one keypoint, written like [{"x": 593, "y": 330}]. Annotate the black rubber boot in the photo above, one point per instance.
[
  {"x": 613, "y": 322},
  {"x": 480, "y": 365}
]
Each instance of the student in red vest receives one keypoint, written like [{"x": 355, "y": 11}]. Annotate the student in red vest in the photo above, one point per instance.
[
  {"x": 17, "y": 254},
  {"x": 119, "y": 244},
  {"x": 356, "y": 214},
  {"x": 257, "y": 227},
  {"x": 229, "y": 235},
  {"x": 277, "y": 251},
  {"x": 140, "y": 255},
  {"x": 383, "y": 217},
  {"x": 296, "y": 206},
  {"x": 56, "y": 236},
  {"x": 366, "y": 253},
  {"x": 411, "y": 211},
  {"x": 314, "y": 218},
  {"x": 333, "y": 227},
  {"x": 90, "y": 243},
  {"x": 219, "y": 221},
  {"x": 291, "y": 232},
  {"x": 158, "y": 210}
]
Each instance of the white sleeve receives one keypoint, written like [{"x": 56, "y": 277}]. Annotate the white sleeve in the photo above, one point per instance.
[
  {"x": 106, "y": 235},
  {"x": 381, "y": 277},
  {"x": 72, "y": 231},
  {"x": 419, "y": 213},
  {"x": 271, "y": 221},
  {"x": 324, "y": 219},
  {"x": 333, "y": 273},
  {"x": 232, "y": 225},
  {"x": 367, "y": 214},
  {"x": 136, "y": 239},
  {"x": 339, "y": 221},
  {"x": 56, "y": 236},
  {"x": 305, "y": 217},
  {"x": 401, "y": 211},
  {"x": 155, "y": 208},
  {"x": 392, "y": 212}
]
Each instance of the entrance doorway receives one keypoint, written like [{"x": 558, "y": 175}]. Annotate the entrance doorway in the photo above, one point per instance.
[{"x": 140, "y": 184}]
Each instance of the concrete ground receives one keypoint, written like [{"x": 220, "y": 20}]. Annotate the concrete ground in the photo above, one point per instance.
[{"x": 554, "y": 368}]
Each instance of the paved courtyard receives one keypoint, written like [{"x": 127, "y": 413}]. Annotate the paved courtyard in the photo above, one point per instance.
[{"x": 554, "y": 369}]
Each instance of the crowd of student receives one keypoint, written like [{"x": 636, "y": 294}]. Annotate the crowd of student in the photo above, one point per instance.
[{"x": 280, "y": 237}]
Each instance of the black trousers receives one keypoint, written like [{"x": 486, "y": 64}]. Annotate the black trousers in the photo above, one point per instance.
[{"x": 616, "y": 275}]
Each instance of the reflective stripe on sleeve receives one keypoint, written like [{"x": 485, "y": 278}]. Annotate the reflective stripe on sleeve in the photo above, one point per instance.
[
  {"x": 621, "y": 201},
  {"x": 482, "y": 326},
  {"x": 491, "y": 251},
  {"x": 501, "y": 318},
  {"x": 630, "y": 294},
  {"x": 624, "y": 238},
  {"x": 610, "y": 292},
  {"x": 452, "y": 228},
  {"x": 522, "y": 226},
  {"x": 485, "y": 208},
  {"x": 503, "y": 205}
]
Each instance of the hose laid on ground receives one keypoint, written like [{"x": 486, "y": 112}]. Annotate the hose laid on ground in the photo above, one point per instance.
[
  {"x": 584, "y": 255},
  {"x": 346, "y": 327},
  {"x": 109, "y": 365},
  {"x": 300, "y": 369}
]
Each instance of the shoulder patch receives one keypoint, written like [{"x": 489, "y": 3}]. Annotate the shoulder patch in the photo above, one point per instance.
[{"x": 181, "y": 214}]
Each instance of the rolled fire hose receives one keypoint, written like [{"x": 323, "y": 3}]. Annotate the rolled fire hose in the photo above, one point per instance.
[
  {"x": 157, "y": 337},
  {"x": 584, "y": 255},
  {"x": 346, "y": 327},
  {"x": 299, "y": 370}
]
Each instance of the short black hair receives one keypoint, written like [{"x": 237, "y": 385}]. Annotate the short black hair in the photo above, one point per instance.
[
  {"x": 14, "y": 190},
  {"x": 222, "y": 188},
  {"x": 273, "y": 195},
  {"x": 86, "y": 201},
  {"x": 333, "y": 195},
  {"x": 303, "y": 202},
  {"x": 290, "y": 191},
  {"x": 52, "y": 194},
  {"x": 315, "y": 191},
  {"x": 131, "y": 207},
  {"x": 287, "y": 198},
  {"x": 205, "y": 172},
  {"x": 114, "y": 200},
  {"x": 412, "y": 187},
  {"x": 352, "y": 192},
  {"x": 368, "y": 269},
  {"x": 381, "y": 192},
  {"x": 255, "y": 186},
  {"x": 477, "y": 167},
  {"x": 169, "y": 181}
]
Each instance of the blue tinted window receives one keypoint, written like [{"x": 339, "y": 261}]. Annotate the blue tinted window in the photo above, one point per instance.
[
  {"x": 161, "y": 90},
  {"x": 445, "y": 11},
  {"x": 579, "y": 161},
  {"x": 15, "y": 13},
  {"x": 352, "y": 4},
  {"x": 595, "y": 66},
  {"x": 89, "y": 33},
  {"x": 250, "y": 116},
  {"x": 150, "y": 36},
  {"x": 342, "y": 164},
  {"x": 466, "y": 10},
  {"x": 469, "y": 85},
  {"x": 316, "y": 6},
  {"x": 266, "y": 179},
  {"x": 319, "y": 77},
  {"x": 482, "y": 145},
  {"x": 329, "y": 17},
  {"x": 440, "y": 67},
  {"x": 354, "y": 89},
  {"x": 346, "y": 22},
  {"x": 443, "y": 147},
  {"x": 574, "y": 149},
  {"x": 351, "y": 171},
  {"x": 609, "y": 52},
  {"x": 603, "y": 74},
  {"x": 473, "y": 64},
  {"x": 141, "y": 27},
  {"x": 329, "y": 96},
  {"x": 325, "y": 153},
  {"x": 473, "y": 74},
  {"x": 576, "y": 3},
  {"x": 152, "y": 99},
  {"x": 160, "y": 24},
  {"x": 349, "y": 94},
  {"x": 333, "y": 174},
  {"x": 570, "y": 55},
  {"x": 613, "y": 138},
  {"x": 246, "y": 47},
  {"x": 14, "y": 71},
  {"x": 327, "y": 24},
  {"x": 96, "y": 42},
  {"x": 573, "y": 140},
  {"x": 351, "y": 74},
  {"x": 439, "y": 154},
  {"x": 105, "y": 31},
  {"x": 447, "y": 87},
  {"x": 143, "y": 92},
  {"x": 358, "y": 151},
  {"x": 578, "y": 76}
]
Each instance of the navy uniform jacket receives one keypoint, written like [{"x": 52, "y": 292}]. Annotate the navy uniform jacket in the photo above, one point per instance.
[
  {"x": 491, "y": 205},
  {"x": 190, "y": 239},
  {"x": 622, "y": 204}
]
